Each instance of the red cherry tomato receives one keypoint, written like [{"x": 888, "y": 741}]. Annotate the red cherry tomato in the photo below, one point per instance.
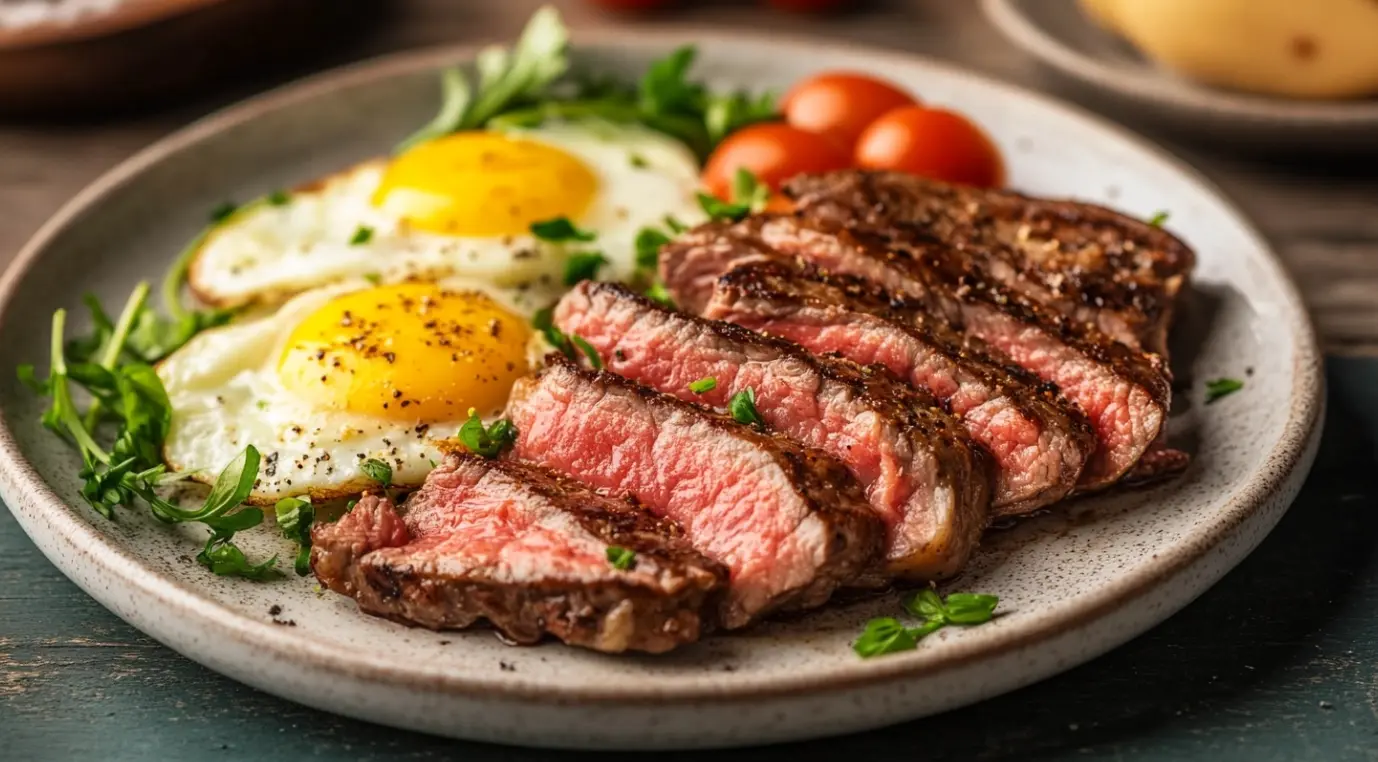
[
  {"x": 773, "y": 152},
  {"x": 932, "y": 143},
  {"x": 841, "y": 104}
]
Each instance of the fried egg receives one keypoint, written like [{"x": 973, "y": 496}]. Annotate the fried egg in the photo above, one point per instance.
[
  {"x": 460, "y": 205},
  {"x": 341, "y": 375}
]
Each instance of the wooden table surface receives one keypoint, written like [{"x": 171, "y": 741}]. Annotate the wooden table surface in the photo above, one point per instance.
[{"x": 1275, "y": 663}]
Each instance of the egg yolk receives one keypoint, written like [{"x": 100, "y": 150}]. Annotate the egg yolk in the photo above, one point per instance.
[
  {"x": 484, "y": 184},
  {"x": 414, "y": 352}
]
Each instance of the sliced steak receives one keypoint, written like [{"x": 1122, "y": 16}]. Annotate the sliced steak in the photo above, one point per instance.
[
  {"x": 789, "y": 522},
  {"x": 1040, "y": 441},
  {"x": 924, "y": 476},
  {"x": 1088, "y": 262},
  {"x": 1124, "y": 393},
  {"x": 525, "y": 549}
]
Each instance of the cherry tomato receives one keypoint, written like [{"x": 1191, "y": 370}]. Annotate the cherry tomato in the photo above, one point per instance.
[
  {"x": 773, "y": 152},
  {"x": 932, "y": 143},
  {"x": 841, "y": 104}
]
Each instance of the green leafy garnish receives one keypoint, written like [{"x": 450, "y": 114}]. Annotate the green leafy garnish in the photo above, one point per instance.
[
  {"x": 742, "y": 408},
  {"x": 544, "y": 321},
  {"x": 583, "y": 266},
  {"x": 373, "y": 278},
  {"x": 888, "y": 635},
  {"x": 507, "y": 80},
  {"x": 725, "y": 114},
  {"x": 718, "y": 209},
  {"x": 378, "y": 471},
  {"x": 1222, "y": 387},
  {"x": 648, "y": 243},
  {"x": 657, "y": 292},
  {"x": 223, "y": 211},
  {"x": 637, "y": 160},
  {"x": 559, "y": 230},
  {"x": 362, "y": 235},
  {"x": 703, "y": 385},
  {"x": 1158, "y": 219},
  {"x": 487, "y": 441},
  {"x": 294, "y": 517},
  {"x": 592, "y": 354},
  {"x": 278, "y": 198},
  {"x": 674, "y": 224},
  {"x": 621, "y": 558},
  {"x": 747, "y": 189},
  {"x": 884, "y": 635}
]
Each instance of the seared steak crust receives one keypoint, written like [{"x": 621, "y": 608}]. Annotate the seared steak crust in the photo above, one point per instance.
[
  {"x": 1040, "y": 441},
  {"x": 525, "y": 549},
  {"x": 1093, "y": 264},
  {"x": 789, "y": 522},
  {"x": 923, "y": 474}
]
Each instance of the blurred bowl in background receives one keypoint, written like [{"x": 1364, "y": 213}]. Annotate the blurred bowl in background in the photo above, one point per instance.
[
  {"x": 1113, "y": 76},
  {"x": 136, "y": 52}
]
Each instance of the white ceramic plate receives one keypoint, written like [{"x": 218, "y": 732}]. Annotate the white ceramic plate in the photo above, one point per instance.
[
  {"x": 1072, "y": 584},
  {"x": 1058, "y": 34}
]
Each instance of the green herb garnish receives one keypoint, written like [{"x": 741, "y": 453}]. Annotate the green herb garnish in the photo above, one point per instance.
[
  {"x": 583, "y": 266},
  {"x": 718, "y": 209},
  {"x": 742, "y": 407},
  {"x": 223, "y": 211},
  {"x": 559, "y": 230},
  {"x": 637, "y": 160},
  {"x": 1158, "y": 219},
  {"x": 378, "y": 471},
  {"x": 278, "y": 198},
  {"x": 1222, "y": 387},
  {"x": 487, "y": 441},
  {"x": 648, "y": 243},
  {"x": 703, "y": 385},
  {"x": 592, "y": 354},
  {"x": 544, "y": 321},
  {"x": 888, "y": 635},
  {"x": 884, "y": 635},
  {"x": 362, "y": 235},
  {"x": 294, "y": 517},
  {"x": 657, "y": 292},
  {"x": 621, "y": 558},
  {"x": 373, "y": 278}
]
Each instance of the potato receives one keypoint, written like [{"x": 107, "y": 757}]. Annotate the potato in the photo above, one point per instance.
[{"x": 1295, "y": 48}]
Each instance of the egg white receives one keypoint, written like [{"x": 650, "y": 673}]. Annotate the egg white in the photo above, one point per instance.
[
  {"x": 266, "y": 252},
  {"x": 225, "y": 394}
]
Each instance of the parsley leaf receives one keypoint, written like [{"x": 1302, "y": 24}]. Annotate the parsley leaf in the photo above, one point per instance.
[
  {"x": 725, "y": 114},
  {"x": 674, "y": 224},
  {"x": 278, "y": 198},
  {"x": 703, "y": 385},
  {"x": 223, "y": 211},
  {"x": 742, "y": 407},
  {"x": 583, "y": 266},
  {"x": 718, "y": 209},
  {"x": 746, "y": 189},
  {"x": 294, "y": 517},
  {"x": 1158, "y": 219},
  {"x": 592, "y": 354},
  {"x": 884, "y": 635},
  {"x": 648, "y": 243},
  {"x": 378, "y": 471},
  {"x": 544, "y": 321},
  {"x": 1222, "y": 387},
  {"x": 621, "y": 558},
  {"x": 559, "y": 230},
  {"x": 487, "y": 441},
  {"x": 657, "y": 292},
  {"x": 362, "y": 235}
]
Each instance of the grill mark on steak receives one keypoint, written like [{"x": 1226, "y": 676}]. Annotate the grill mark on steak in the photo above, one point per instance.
[
  {"x": 525, "y": 549},
  {"x": 1123, "y": 392},
  {"x": 1089, "y": 262},
  {"x": 924, "y": 476},
  {"x": 1039, "y": 440},
  {"x": 789, "y": 522}
]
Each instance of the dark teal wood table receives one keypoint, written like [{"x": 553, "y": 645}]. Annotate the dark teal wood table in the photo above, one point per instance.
[{"x": 1277, "y": 662}]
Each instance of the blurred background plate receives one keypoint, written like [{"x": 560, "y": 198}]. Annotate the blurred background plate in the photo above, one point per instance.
[
  {"x": 1061, "y": 36},
  {"x": 127, "y": 53}
]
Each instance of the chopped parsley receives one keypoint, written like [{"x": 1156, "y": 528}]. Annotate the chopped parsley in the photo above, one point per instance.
[
  {"x": 742, "y": 408},
  {"x": 560, "y": 230},
  {"x": 674, "y": 224},
  {"x": 278, "y": 198},
  {"x": 637, "y": 160},
  {"x": 592, "y": 354},
  {"x": 583, "y": 266},
  {"x": 373, "y": 278},
  {"x": 703, "y": 385},
  {"x": 648, "y": 243},
  {"x": 378, "y": 471},
  {"x": 1158, "y": 219},
  {"x": 748, "y": 195},
  {"x": 544, "y": 321},
  {"x": 487, "y": 441},
  {"x": 362, "y": 235},
  {"x": 718, "y": 209},
  {"x": 1222, "y": 387},
  {"x": 657, "y": 292},
  {"x": 223, "y": 211},
  {"x": 621, "y": 558},
  {"x": 294, "y": 517}
]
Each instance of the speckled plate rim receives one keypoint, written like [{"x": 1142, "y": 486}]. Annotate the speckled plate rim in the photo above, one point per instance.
[
  {"x": 1016, "y": 26},
  {"x": 33, "y": 501}
]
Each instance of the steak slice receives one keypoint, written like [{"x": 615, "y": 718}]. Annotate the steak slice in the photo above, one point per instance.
[
  {"x": 789, "y": 522},
  {"x": 925, "y": 478},
  {"x": 1124, "y": 393},
  {"x": 1090, "y": 263},
  {"x": 525, "y": 549},
  {"x": 1040, "y": 441}
]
